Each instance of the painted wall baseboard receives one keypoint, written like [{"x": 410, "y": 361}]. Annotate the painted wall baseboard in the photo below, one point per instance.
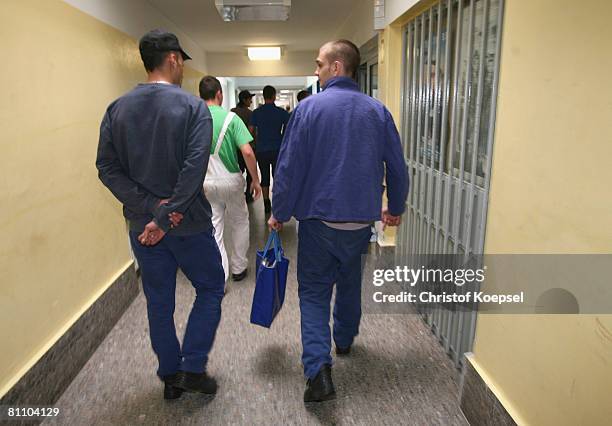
[
  {"x": 47, "y": 380},
  {"x": 478, "y": 403}
]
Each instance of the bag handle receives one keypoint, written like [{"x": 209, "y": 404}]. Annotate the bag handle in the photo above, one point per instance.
[{"x": 278, "y": 249}]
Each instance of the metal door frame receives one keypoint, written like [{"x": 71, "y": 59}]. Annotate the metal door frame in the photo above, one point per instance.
[
  {"x": 369, "y": 58},
  {"x": 447, "y": 205}
]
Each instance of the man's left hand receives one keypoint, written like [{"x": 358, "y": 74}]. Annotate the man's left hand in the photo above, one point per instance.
[{"x": 174, "y": 217}]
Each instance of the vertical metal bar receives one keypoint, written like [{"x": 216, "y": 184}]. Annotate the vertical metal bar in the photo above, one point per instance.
[
  {"x": 443, "y": 134},
  {"x": 444, "y": 122},
  {"x": 452, "y": 318},
  {"x": 404, "y": 94},
  {"x": 409, "y": 117},
  {"x": 476, "y": 137},
  {"x": 426, "y": 172},
  {"x": 412, "y": 133},
  {"x": 464, "y": 121},
  {"x": 416, "y": 113},
  {"x": 415, "y": 131},
  {"x": 453, "y": 131},
  {"x": 432, "y": 232},
  {"x": 401, "y": 128},
  {"x": 419, "y": 176},
  {"x": 435, "y": 95},
  {"x": 492, "y": 114},
  {"x": 425, "y": 224},
  {"x": 422, "y": 137},
  {"x": 406, "y": 91},
  {"x": 463, "y": 139}
]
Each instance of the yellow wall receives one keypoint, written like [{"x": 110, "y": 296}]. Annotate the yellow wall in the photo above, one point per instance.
[
  {"x": 63, "y": 235},
  {"x": 549, "y": 194}
]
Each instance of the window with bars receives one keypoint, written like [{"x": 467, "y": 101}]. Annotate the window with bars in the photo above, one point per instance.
[{"x": 448, "y": 82}]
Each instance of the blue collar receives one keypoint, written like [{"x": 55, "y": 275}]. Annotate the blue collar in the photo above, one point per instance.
[{"x": 341, "y": 83}]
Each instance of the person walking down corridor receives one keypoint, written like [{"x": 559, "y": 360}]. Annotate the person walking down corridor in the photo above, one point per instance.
[
  {"x": 338, "y": 148},
  {"x": 243, "y": 110},
  {"x": 152, "y": 155},
  {"x": 224, "y": 183},
  {"x": 302, "y": 94},
  {"x": 269, "y": 122}
]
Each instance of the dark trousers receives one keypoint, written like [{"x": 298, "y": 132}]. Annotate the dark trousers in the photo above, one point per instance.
[
  {"x": 266, "y": 161},
  {"x": 327, "y": 256},
  {"x": 199, "y": 258},
  {"x": 243, "y": 167}
]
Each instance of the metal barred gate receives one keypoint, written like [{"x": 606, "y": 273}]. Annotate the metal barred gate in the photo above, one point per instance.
[{"x": 449, "y": 93}]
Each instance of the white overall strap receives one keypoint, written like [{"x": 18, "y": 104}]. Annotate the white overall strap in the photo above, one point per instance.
[{"x": 226, "y": 124}]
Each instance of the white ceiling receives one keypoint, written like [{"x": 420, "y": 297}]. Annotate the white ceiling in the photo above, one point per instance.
[{"x": 311, "y": 23}]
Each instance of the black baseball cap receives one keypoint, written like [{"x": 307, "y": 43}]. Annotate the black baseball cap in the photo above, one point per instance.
[
  {"x": 160, "y": 41},
  {"x": 245, "y": 94}
]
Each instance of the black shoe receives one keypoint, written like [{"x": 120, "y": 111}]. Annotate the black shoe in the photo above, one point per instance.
[
  {"x": 343, "y": 351},
  {"x": 196, "y": 382},
  {"x": 267, "y": 206},
  {"x": 170, "y": 390},
  {"x": 321, "y": 388},
  {"x": 239, "y": 277}
]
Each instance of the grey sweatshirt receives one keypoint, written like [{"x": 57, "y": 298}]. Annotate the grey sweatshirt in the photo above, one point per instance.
[{"x": 155, "y": 144}]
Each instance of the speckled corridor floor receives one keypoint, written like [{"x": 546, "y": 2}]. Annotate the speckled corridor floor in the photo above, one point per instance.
[{"x": 396, "y": 374}]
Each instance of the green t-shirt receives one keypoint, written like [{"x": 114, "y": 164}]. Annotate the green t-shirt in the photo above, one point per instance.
[{"x": 236, "y": 135}]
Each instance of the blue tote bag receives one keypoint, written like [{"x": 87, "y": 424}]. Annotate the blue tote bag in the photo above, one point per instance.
[{"x": 270, "y": 283}]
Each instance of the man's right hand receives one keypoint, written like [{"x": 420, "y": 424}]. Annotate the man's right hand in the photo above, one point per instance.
[
  {"x": 390, "y": 220},
  {"x": 151, "y": 235},
  {"x": 274, "y": 224}
]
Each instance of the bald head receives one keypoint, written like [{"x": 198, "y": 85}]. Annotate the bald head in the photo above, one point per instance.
[{"x": 343, "y": 51}]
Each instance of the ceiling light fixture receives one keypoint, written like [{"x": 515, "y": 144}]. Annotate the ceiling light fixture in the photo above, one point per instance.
[
  {"x": 264, "y": 53},
  {"x": 253, "y": 10}
]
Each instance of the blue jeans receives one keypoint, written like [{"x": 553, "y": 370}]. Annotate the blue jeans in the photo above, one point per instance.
[
  {"x": 199, "y": 258},
  {"x": 327, "y": 256}
]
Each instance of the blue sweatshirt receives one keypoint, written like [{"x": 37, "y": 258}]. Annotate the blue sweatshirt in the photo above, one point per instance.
[
  {"x": 155, "y": 144},
  {"x": 332, "y": 160}
]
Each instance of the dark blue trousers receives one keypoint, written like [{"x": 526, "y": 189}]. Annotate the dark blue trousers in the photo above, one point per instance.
[
  {"x": 200, "y": 260},
  {"x": 327, "y": 256}
]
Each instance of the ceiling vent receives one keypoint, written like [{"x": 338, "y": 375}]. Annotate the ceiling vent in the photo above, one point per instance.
[{"x": 253, "y": 10}]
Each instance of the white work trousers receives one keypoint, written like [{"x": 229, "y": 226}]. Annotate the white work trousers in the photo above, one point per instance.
[{"x": 229, "y": 211}]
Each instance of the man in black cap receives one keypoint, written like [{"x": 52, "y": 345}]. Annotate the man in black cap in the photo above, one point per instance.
[
  {"x": 243, "y": 110},
  {"x": 152, "y": 154}
]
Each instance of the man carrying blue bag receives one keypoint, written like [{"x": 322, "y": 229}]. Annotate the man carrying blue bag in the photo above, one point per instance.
[
  {"x": 338, "y": 146},
  {"x": 271, "y": 282}
]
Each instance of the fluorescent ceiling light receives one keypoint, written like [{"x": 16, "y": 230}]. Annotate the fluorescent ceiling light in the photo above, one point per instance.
[
  {"x": 253, "y": 10},
  {"x": 264, "y": 53}
]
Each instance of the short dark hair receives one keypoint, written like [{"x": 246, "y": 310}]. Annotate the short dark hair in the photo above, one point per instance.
[
  {"x": 209, "y": 86},
  {"x": 302, "y": 94},
  {"x": 153, "y": 60},
  {"x": 269, "y": 92},
  {"x": 347, "y": 52}
]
